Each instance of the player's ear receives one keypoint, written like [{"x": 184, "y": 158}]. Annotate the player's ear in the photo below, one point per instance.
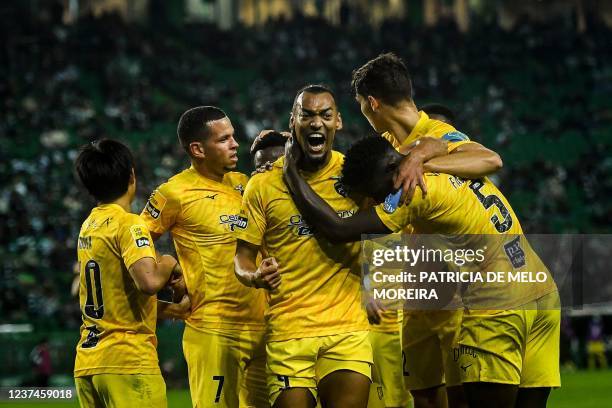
[
  {"x": 196, "y": 150},
  {"x": 339, "y": 122},
  {"x": 291, "y": 121},
  {"x": 132, "y": 177},
  {"x": 374, "y": 104}
]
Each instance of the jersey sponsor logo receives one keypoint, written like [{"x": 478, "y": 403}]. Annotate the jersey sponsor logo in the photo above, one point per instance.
[
  {"x": 392, "y": 202},
  {"x": 140, "y": 235},
  {"x": 143, "y": 242},
  {"x": 515, "y": 253},
  {"x": 301, "y": 227},
  {"x": 338, "y": 186},
  {"x": 239, "y": 188},
  {"x": 212, "y": 196},
  {"x": 233, "y": 221},
  {"x": 156, "y": 204},
  {"x": 455, "y": 136}
]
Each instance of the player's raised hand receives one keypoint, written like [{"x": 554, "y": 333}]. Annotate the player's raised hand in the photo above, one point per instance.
[
  {"x": 267, "y": 275},
  {"x": 409, "y": 175},
  {"x": 374, "y": 309},
  {"x": 267, "y": 166}
]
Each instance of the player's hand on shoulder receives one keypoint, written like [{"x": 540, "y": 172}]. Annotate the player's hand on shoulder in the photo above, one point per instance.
[
  {"x": 409, "y": 175},
  {"x": 267, "y": 275},
  {"x": 267, "y": 166}
]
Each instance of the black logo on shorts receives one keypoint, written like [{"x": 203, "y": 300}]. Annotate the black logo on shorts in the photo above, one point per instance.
[
  {"x": 212, "y": 196},
  {"x": 461, "y": 350},
  {"x": 464, "y": 368},
  {"x": 285, "y": 380},
  {"x": 515, "y": 253}
]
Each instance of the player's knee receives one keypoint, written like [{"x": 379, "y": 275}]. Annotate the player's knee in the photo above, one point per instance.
[{"x": 346, "y": 389}]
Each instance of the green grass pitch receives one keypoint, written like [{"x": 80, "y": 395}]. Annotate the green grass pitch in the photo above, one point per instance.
[{"x": 582, "y": 389}]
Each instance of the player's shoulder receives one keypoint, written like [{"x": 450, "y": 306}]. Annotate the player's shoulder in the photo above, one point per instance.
[
  {"x": 260, "y": 181},
  {"x": 236, "y": 177},
  {"x": 176, "y": 184},
  {"x": 445, "y": 131},
  {"x": 236, "y": 180}
]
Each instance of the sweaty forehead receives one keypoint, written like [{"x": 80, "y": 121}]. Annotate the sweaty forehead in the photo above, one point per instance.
[{"x": 316, "y": 101}]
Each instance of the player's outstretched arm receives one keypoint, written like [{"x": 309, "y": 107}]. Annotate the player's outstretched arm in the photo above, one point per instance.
[
  {"x": 471, "y": 160},
  {"x": 321, "y": 215},
  {"x": 150, "y": 275},
  {"x": 265, "y": 276},
  {"x": 430, "y": 154}
]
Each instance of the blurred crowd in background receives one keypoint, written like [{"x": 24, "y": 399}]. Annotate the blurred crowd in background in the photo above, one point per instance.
[{"x": 539, "y": 94}]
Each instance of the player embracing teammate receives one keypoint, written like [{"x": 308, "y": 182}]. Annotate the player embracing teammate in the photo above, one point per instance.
[{"x": 315, "y": 339}]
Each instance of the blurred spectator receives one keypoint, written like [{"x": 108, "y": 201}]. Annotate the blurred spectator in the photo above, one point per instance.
[
  {"x": 596, "y": 348},
  {"x": 539, "y": 94}
]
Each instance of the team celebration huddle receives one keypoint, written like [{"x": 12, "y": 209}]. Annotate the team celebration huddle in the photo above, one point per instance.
[{"x": 268, "y": 273}]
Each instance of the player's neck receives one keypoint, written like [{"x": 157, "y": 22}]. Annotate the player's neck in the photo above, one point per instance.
[
  {"x": 207, "y": 172},
  {"x": 313, "y": 167},
  {"x": 124, "y": 202},
  {"x": 401, "y": 120}
]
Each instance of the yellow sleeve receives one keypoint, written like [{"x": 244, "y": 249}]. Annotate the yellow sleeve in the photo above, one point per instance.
[
  {"x": 161, "y": 210},
  {"x": 454, "y": 138},
  {"x": 400, "y": 218},
  {"x": 134, "y": 240},
  {"x": 255, "y": 213}
]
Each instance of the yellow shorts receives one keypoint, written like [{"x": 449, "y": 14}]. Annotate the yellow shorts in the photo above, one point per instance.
[
  {"x": 596, "y": 347},
  {"x": 226, "y": 367},
  {"x": 304, "y": 362},
  {"x": 512, "y": 346},
  {"x": 121, "y": 390},
  {"x": 387, "y": 349},
  {"x": 428, "y": 340}
]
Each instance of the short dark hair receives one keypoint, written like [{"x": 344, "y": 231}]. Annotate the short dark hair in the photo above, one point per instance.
[
  {"x": 439, "y": 109},
  {"x": 386, "y": 77},
  {"x": 313, "y": 89},
  {"x": 104, "y": 167},
  {"x": 271, "y": 139},
  {"x": 360, "y": 157},
  {"x": 192, "y": 125}
]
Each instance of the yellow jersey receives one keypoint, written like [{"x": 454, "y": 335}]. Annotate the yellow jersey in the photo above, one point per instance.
[
  {"x": 432, "y": 128},
  {"x": 203, "y": 217},
  {"x": 118, "y": 330},
  {"x": 391, "y": 318},
  {"x": 320, "y": 290},
  {"x": 457, "y": 207}
]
